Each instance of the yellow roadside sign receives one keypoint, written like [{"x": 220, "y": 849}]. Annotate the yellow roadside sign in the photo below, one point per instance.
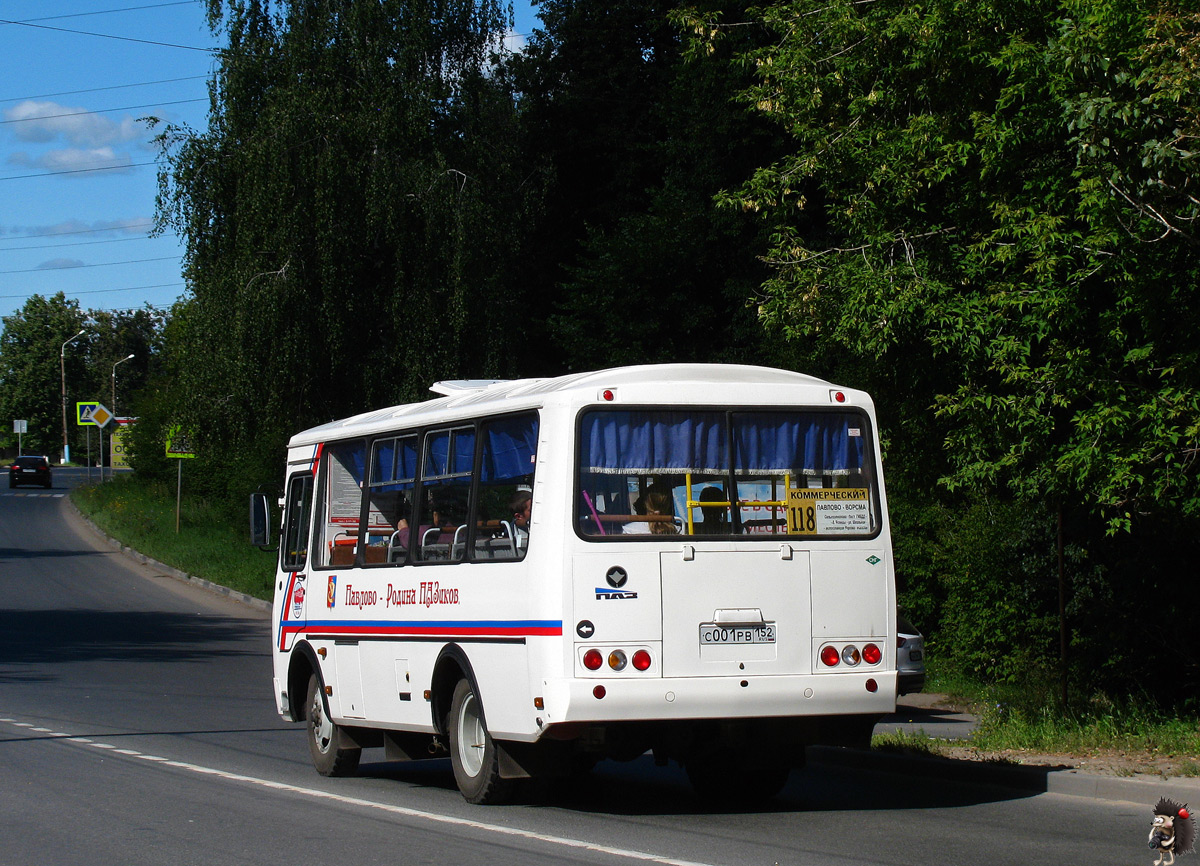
[{"x": 179, "y": 443}]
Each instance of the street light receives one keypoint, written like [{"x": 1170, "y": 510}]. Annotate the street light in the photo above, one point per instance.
[
  {"x": 129, "y": 357},
  {"x": 62, "y": 369},
  {"x": 112, "y": 472}
]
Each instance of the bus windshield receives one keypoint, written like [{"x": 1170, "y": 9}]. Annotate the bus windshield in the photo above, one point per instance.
[{"x": 646, "y": 473}]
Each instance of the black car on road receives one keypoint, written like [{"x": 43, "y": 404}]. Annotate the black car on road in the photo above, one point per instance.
[{"x": 29, "y": 470}]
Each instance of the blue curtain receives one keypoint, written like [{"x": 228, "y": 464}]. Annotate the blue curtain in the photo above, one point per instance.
[
  {"x": 509, "y": 445},
  {"x": 438, "y": 461},
  {"x": 394, "y": 463},
  {"x": 811, "y": 443},
  {"x": 633, "y": 443}
]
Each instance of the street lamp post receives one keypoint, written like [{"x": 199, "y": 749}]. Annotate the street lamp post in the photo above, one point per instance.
[
  {"x": 111, "y": 473},
  {"x": 128, "y": 357},
  {"x": 62, "y": 369}
]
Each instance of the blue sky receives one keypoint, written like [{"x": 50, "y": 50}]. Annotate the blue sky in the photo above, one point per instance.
[{"x": 75, "y": 77}]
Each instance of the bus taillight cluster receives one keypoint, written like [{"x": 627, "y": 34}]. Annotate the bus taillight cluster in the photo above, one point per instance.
[
  {"x": 617, "y": 659},
  {"x": 850, "y": 656}
]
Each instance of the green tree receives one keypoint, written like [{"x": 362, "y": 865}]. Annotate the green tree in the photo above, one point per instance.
[
  {"x": 630, "y": 254},
  {"x": 991, "y": 204},
  {"x": 348, "y": 216},
  {"x": 32, "y": 361}
]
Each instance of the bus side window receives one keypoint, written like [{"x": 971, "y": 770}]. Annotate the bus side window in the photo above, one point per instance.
[
  {"x": 389, "y": 500},
  {"x": 294, "y": 553},
  {"x": 341, "y": 485},
  {"x": 449, "y": 461},
  {"x": 503, "y": 507}
]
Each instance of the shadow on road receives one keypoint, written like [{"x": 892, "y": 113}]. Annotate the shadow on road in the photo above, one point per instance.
[
  {"x": 58, "y": 636},
  {"x": 639, "y": 788}
]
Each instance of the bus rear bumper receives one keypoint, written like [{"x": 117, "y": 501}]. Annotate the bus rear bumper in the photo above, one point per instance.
[{"x": 630, "y": 699}]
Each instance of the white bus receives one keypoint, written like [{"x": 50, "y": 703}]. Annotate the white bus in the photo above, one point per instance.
[{"x": 531, "y": 576}]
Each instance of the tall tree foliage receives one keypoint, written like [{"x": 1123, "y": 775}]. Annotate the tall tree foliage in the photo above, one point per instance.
[
  {"x": 631, "y": 257},
  {"x": 995, "y": 204},
  {"x": 32, "y": 365},
  {"x": 348, "y": 214}
]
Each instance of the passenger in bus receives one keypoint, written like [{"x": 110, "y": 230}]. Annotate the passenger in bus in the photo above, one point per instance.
[
  {"x": 659, "y": 507},
  {"x": 521, "y": 508},
  {"x": 714, "y": 520}
]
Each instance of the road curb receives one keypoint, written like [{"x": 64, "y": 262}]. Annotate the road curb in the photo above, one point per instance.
[
  {"x": 169, "y": 571},
  {"x": 1033, "y": 779}
]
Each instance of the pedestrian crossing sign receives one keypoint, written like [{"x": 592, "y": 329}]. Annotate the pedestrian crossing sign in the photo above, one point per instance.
[{"x": 92, "y": 413}]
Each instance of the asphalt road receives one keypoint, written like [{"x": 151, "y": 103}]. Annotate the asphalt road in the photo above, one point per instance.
[{"x": 137, "y": 727}]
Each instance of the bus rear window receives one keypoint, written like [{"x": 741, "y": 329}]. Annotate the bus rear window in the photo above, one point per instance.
[{"x": 646, "y": 473}]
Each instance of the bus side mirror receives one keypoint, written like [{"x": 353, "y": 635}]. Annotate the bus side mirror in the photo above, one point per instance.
[{"x": 260, "y": 521}]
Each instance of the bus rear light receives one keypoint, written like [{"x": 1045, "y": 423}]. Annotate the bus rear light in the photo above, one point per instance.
[
  {"x": 872, "y": 686},
  {"x": 872, "y": 654},
  {"x": 617, "y": 660},
  {"x": 592, "y": 659},
  {"x": 830, "y": 656},
  {"x": 599, "y": 692},
  {"x": 850, "y": 655},
  {"x": 641, "y": 660}
]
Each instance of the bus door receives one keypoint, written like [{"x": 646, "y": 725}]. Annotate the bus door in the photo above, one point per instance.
[
  {"x": 290, "y": 608},
  {"x": 736, "y": 613}
]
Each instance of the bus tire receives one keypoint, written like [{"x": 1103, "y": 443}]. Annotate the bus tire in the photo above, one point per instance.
[
  {"x": 324, "y": 736},
  {"x": 472, "y": 751}
]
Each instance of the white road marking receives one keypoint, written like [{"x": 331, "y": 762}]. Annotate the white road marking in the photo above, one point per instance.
[{"x": 418, "y": 814}]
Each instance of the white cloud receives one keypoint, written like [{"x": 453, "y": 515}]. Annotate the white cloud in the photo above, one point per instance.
[
  {"x": 43, "y": 122},
  {"x": 55, "y": 264},
  {"x": 133, "y": 226},
  {"x": 73, "y": 159}
]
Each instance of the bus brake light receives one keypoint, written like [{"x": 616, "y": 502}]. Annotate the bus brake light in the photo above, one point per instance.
[
  {"x": 641, "y": 660},
  {"x": 592, "y": 660},
  {"x": 830, "y": 656}
]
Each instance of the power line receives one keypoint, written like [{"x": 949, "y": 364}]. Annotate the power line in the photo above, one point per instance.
[
  {"x": 108, "y": 11},
  {"x": 85, "y": 111},
  {"x": 77, "y": 243},
  {"x": 108, "y": 36},
  {"x": 103, "y": 291},
  {"x": 77, "y": 171},
  {"x": 98, "y": 265},
  {"x": 117, "y": 228},
  {"x": 99, "y": 89}
]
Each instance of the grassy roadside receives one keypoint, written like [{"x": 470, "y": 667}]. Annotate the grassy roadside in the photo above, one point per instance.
[
  {"x": 1026, "y": 724},
  {"x": 212, "y": 541}
]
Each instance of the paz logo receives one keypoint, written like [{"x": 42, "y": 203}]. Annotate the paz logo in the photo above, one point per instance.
[{"x": 874, "y": 560}]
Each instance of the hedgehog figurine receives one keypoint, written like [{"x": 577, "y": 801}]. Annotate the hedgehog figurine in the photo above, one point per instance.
[{"x": 1172, "y": 832}]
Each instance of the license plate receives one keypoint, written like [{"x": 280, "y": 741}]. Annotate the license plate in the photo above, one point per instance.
[{"x": 719, "y": 633}]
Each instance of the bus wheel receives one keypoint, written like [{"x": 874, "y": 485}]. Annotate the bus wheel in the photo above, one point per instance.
[
  {"x": 323, "y": 738},
  {"x": 472, "y": 751}
]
